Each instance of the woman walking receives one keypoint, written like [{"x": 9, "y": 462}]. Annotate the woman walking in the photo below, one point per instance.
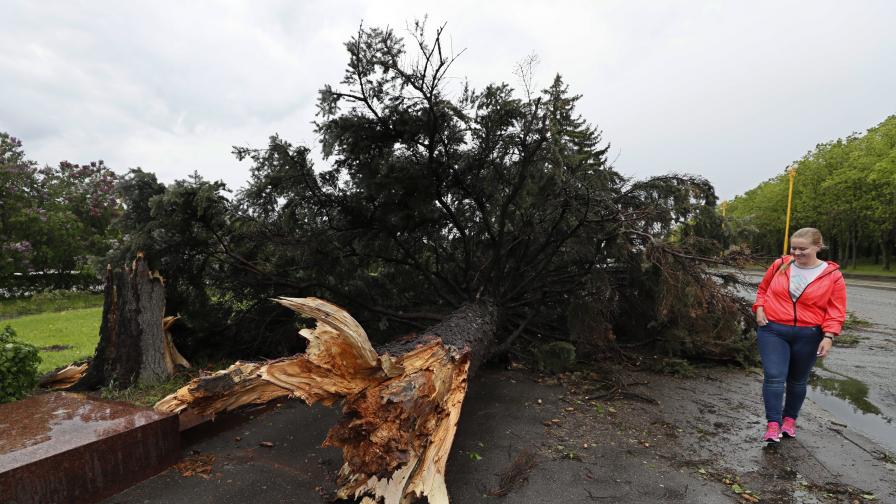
[{"x": 800, "y": 307}]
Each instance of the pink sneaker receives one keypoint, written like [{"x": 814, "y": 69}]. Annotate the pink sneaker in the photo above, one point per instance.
[
  {"x": 788, "y": 428},
  {"x": 772, "y": 433}
]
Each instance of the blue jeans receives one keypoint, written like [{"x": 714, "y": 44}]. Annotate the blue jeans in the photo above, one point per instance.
[{"x": 788, "y": 354}]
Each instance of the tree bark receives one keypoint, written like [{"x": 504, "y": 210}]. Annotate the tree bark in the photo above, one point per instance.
[
  {"x": 135, "y": 345},
  {"x": 845, "y": 251},
  {"x": 400, "y": 406}
]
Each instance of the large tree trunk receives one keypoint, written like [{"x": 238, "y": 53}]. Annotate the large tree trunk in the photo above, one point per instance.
[
  {"x": 135, "y": 346},
  {"x": 400, "y": 406}
]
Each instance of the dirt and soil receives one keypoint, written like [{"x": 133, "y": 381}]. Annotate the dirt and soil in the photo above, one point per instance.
[{"x": 552, "y": 439}]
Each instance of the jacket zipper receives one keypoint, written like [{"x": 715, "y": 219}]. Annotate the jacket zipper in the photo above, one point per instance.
[{"x": 804, "y": 289}]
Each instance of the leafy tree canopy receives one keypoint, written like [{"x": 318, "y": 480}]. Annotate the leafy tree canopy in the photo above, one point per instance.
[
  {"x": 52, "y": 219},
  {"x": 845, "y": 187}
]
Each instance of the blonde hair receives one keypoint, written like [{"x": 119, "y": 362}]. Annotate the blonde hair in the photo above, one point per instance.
[
  {"x": 807, "y": 233},
  {"x": 811, "y": 234}
]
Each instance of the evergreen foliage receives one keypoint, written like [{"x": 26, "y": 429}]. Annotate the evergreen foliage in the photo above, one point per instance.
[{"x": 435, "y": 194}]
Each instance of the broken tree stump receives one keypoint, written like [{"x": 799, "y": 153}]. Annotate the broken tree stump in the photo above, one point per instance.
[
  {"x": 135, "y": 345},
  {"x": 400, "y": 406}
]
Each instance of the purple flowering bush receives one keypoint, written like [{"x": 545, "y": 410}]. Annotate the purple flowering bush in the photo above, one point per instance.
[{"x": 53, "y": 219}]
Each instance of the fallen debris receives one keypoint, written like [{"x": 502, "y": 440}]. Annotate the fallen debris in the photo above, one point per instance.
[
  {"x": 63, "y": 377},
  {"x": 516, "y": 475},
  {"x": 197, "y": 465}
]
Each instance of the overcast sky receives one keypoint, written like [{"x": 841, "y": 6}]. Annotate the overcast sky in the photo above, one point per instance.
[{"x": 733, "y": 91}]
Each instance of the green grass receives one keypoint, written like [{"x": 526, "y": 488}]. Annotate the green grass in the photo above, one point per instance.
[
  {"x": 78, "y": 329},
  {"x": 73, "y": 320},
  {"x": 45, "y": 302},
  {"x": 854, "y": 321},
  {"x": 871, "y": 269}
]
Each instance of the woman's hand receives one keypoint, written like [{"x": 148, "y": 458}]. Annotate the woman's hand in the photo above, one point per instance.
[
  {"x": 825, "y": 346},
  {"x": 760, "y": 316}
]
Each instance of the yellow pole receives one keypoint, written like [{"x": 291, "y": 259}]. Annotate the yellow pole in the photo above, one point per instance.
[
  {"x": 724, "y": 207},
  {"x": 791, "y": 172}
]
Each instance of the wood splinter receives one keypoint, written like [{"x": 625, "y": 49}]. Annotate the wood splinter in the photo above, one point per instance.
[{"x": 400, "y": 406}]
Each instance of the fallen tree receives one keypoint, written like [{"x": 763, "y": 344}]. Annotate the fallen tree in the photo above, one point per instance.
[
  {"x": 432, "y": 196},
  {"x": 400, "y": 405}
]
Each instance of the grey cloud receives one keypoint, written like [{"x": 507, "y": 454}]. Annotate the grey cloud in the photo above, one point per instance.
[{"x": 732, "y": 91}]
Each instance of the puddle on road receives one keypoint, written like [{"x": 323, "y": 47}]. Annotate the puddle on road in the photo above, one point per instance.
[
  {"x": 847, "y": 399},
  {"x": 848, "y": 389}
]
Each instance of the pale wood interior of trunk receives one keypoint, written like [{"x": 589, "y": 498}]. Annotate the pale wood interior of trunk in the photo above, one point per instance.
[{"x": 400, "y": 410}]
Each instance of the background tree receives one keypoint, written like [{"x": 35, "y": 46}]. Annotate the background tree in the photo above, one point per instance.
[
  {"x": 52, "y": 219},
  {"x": 846, "y": 188},
  {"x": 18, "y": 188}
]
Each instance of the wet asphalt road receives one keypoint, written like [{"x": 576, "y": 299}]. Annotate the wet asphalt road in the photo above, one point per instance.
[
  {"x": 719, "y": 419},
  {"x": 875, "y": 302},
  {"x": 869, "y": 365}
]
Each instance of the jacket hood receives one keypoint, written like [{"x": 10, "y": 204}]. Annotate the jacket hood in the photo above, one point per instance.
[{"x": 830, "y": 267}]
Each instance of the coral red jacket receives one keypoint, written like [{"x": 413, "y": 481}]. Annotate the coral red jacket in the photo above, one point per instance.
[{"x": 823, "y": 303}]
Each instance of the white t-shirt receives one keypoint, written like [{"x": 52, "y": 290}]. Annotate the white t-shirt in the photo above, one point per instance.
[{"x": 800, "y": 277}]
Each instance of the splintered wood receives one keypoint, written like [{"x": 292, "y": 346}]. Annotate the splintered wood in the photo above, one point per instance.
[
  {"x": 63, "y": 378},
  {"x": 400, "y": 408},
  {"x": 173, "y": 358}
]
